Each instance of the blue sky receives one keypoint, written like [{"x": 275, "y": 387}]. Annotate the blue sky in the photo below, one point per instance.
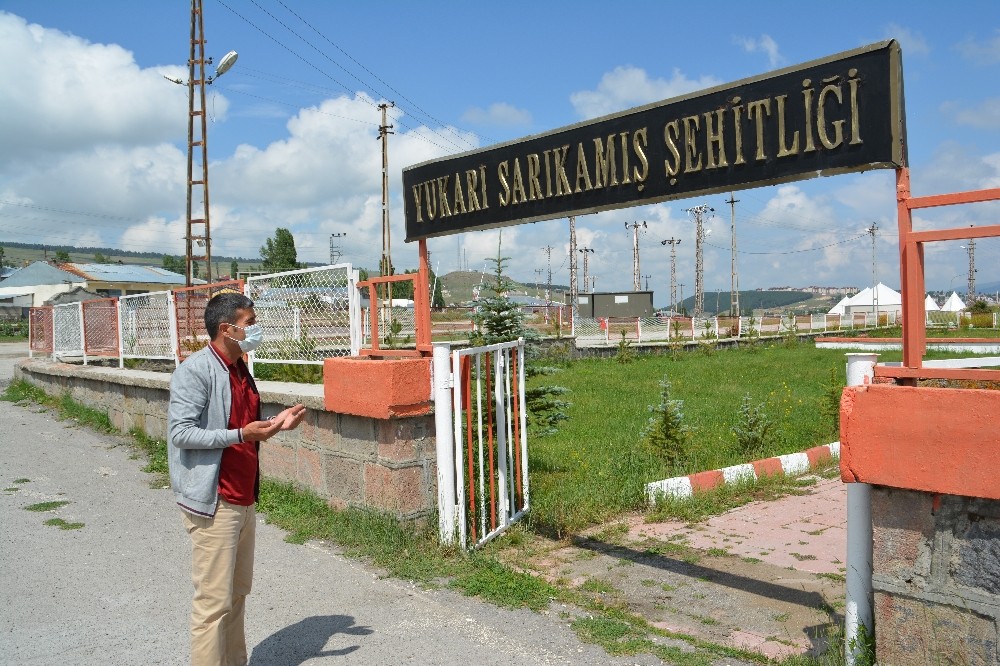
[{"x": 93, "y": 139}]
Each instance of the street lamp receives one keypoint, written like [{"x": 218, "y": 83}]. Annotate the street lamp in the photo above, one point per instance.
[{"x": 198, "y": 136}]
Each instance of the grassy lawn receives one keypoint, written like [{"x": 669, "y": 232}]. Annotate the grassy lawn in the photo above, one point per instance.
[{"x": 597, "y": 465}]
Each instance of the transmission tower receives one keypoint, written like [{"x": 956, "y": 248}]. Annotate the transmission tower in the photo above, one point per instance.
[
  {"x": 699, "y": 261},
  {"x": 572, "y": 266},
  {"x": 335, "y": 251},
  {"x": 636, "y": 282},
  {"x": 586, "y": 251},
  {"x": 673, "y": 242},
  {"x": 734, "y": 293},
  {"x": 548, "y": 285}
]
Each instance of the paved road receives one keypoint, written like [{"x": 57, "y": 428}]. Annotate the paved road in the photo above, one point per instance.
[{"x": 117, "y": 590}]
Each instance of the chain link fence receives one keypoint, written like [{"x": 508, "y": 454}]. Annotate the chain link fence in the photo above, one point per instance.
[
  {"x": 307, "y": 315},
  {"x": 67, "y": 323},
  {"x": 147, "y": 328},
  {"x": 100, "y": 327}
]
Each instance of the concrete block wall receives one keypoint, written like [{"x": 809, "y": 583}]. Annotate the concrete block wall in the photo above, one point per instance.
[
  {"x": 384, "y": 464},
  {"x": 936, "y": 561}
]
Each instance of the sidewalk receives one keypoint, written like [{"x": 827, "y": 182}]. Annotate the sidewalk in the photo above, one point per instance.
[{"x": 117, "y": 591}]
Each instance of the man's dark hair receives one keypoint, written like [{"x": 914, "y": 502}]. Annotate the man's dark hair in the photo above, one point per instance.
[{"x": 222, "y": 310}]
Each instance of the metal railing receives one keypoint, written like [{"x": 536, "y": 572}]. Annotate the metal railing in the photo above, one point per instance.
[
  {"x": 100, "y": 327},
  {"x": 146, "y": 326},
  {"x": 189, "y": 314},
  {"x": 307, "y": 315},
  {"x": 41, "y": 331},
  {"x": 483, "y": 461},
  {"x": 67, "y": 326}
]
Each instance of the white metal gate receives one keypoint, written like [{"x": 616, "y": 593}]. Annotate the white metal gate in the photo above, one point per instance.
[{"x": 482, "y": 442}]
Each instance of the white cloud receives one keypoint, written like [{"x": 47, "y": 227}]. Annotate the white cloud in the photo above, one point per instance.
[
  {"x": 981, "y": 53},
  {"x": 63, "y": 93},
  {"x": 764, "y": 44},
  {"x": 911, "y": 41},
  {"x": 985, "y": 115},
  {"x": 498, "y": 114},
  {"x": 627, "y": 87}
]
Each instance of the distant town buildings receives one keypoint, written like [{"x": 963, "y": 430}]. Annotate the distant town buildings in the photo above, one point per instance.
[{"x": 822, "y": 291}]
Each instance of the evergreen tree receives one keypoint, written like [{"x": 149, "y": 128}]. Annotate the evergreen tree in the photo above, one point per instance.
[
  {"x": 62, "y": 257},
  {"x": 234, "y": 269},
  {"x": 278, "y": 253}
]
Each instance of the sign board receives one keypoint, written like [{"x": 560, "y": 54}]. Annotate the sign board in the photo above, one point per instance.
[{"x": 838, "y": 114}]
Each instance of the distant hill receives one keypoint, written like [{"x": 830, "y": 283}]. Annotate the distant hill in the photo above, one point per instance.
[
  {"x": 458, "y": 287},
  {"x": 19, "y": 254},
  {"x": 716, "y": 302}
]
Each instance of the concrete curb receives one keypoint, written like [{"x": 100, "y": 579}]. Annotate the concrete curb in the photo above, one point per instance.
[{"x": 789, "y": 464}]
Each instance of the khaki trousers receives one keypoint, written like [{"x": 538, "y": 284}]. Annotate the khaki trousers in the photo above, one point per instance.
[{"x": 222, "y": 549}]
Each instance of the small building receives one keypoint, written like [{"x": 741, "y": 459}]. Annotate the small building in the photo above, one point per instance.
[
  {"x": 41, "y": 281},
  {"x": 598, "y": 305}
]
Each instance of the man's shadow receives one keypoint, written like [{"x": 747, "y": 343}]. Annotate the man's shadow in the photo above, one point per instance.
[{"x": 305, "y": 640}]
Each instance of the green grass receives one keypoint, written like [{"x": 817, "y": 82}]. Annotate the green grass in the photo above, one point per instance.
[
  {"x": 46, "y": 506},
  {"x": 62, "y": 524}
]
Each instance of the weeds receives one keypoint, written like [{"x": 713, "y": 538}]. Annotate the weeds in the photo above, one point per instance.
[
  {"x": 62, "y": 524},
  {"x": 46, "y": 506},
  {"x": 753, "y": 429}
]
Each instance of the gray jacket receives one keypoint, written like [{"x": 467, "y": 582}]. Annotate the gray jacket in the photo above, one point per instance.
[{"x": 197, "y": 430}]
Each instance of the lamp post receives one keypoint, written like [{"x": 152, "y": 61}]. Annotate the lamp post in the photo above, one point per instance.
[{"x": 198, "y": 137}]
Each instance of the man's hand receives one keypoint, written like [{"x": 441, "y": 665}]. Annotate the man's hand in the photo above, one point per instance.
[
  {"x": 291, "y": 418},
  {"x": 287, "y": 419}
]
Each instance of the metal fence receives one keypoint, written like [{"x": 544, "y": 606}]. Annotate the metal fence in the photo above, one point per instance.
[
  {"x": 100, "y": 327},
  {"x": 67, "y": 325},
  {"x": 189, "y": 314},
  {"x": 307, "y": 315},
  {"x": 490, "y": 454},
  {"x": 609, "y": 330},
  {"x": 41, "y": 331},
  {"x": 146, "y": 326}
]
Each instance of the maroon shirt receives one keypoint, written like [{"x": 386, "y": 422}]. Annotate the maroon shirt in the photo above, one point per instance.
[{"x": 239, "y": 474}]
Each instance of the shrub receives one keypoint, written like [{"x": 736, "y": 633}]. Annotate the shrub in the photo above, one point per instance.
[{"x": 665, "y": 431}]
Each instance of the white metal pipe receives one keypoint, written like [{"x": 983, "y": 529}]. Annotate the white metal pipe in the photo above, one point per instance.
[
  {"x": 444, "y": 441},
  {"x": 860, "y": 598}
]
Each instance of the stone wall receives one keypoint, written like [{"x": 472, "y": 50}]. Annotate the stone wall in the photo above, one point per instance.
[
  {"x": 385, "y": 464},
  {"x": 936, "y": 561}
]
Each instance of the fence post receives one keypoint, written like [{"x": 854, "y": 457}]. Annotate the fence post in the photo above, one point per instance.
[
  {"x": 175, "y": 343},
  {"x": 121, "y": 337},
  {"x": 83, "y": 332},
  {"x": 860, "y": 598},
  {"x": 444, "y": 440},
  {"x": 638, "y": 329}
]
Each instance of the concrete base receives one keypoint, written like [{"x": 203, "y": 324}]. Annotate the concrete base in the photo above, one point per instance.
[{"x": 377, "y": 388}]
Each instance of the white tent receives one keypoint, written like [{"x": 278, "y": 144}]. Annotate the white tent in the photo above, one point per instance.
[
  {"x": 930, "y": 305},
  {"x": 838, "y": 309},
  {"x": 953, "y": 304},
  {"x": 881, "y": 299}
]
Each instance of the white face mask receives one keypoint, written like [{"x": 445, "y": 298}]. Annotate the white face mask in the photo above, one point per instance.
[{"x": 253, "y": 336}]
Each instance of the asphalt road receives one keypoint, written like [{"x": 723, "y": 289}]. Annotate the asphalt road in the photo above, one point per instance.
[{"x": 117, "y": 590}]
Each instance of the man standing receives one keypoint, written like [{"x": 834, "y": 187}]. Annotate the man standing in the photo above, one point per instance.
[{"x": 214, "y": 434}]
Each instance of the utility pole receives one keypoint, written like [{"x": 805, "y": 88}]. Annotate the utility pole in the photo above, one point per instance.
[
  {"x": 699, "y": 261},
  {"x": 572, "y": 266},
  {"x": 970, "y": 296},
  {"x": 538, "y": 274},
  {"x": 681, "y": 285},
  {"x": 593, "y": 283},
  {"x": 198, "y": 138},
  {"x": 647, "y": 281},
  {"x": 734, "y": 293},
  {"x": 585, "y": 251},
  {"x": 871, "y": 231},
  {"x": 383, "y": 135},
  {"x": 335, "y": 250},
  {"x": 673, "y": 242},
  {"x": 636, "y": 284}
]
